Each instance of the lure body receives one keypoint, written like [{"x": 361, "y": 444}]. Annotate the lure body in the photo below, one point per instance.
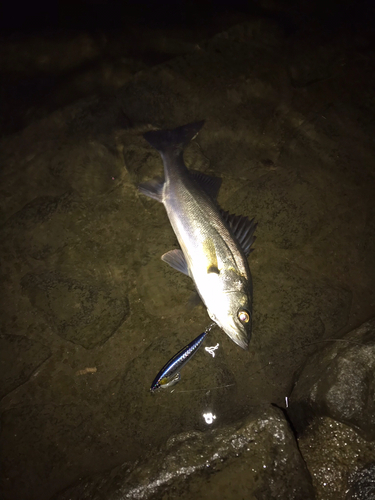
[{"x": 170, "y": 373}]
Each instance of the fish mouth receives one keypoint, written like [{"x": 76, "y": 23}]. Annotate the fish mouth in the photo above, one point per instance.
[
  {"x": 239, "y": 337},
  {"x": 241, "y": 340}
]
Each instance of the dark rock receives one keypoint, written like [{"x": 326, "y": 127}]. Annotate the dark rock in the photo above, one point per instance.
[
  {"x": 83, "y": 313},
  {"x": 62, "y": 432},
  {"x": 44, "y": 226},
  {"x": 362, "y": 484},
  {"x": 338, "y": 382},
  {"x": 163, "y": 291},
  {"x": 257, "y": 458},
  {"x": 20, "y": 357},
  {"x": 333, "y": 453}
]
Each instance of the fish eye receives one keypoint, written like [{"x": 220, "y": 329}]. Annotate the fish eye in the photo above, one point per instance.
[{"x": 243, "y": 316}]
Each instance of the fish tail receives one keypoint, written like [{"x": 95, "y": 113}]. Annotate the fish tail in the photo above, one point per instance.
[{"x": 176, "y": 139}]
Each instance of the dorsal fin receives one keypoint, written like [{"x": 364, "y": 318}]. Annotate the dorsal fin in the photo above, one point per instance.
[
  {"x": 209, "y": 183},
  {"x": 242, "y": 228}
]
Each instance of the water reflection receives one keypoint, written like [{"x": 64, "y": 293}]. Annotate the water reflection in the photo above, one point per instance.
[
  {"x": 209, "y": 417},
  {"x": 211, "y": 349}
]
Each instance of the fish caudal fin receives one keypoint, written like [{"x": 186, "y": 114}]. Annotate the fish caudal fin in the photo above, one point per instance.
[{"x": 176, "y": 139}]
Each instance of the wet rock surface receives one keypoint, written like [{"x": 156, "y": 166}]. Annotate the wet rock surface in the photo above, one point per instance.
[
  {"x": 362, "y": 484},
  {"x": 20, "y": 357},
  {"x": 338, "y": 382},
  {"x": 82, "y": 313},
  {"x": 257, "y": 457},
  {"x": 91, "y": 314},
  {"x": 335, "y": 455}
]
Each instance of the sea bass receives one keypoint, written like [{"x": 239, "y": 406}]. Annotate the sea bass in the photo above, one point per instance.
[{"x": 214, "y": 245}]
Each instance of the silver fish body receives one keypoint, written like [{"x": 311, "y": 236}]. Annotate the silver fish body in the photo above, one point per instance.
[{"x": 214, "y": 244}]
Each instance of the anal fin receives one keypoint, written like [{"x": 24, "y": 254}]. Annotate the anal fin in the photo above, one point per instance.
[{"x": 153, "y": 189}]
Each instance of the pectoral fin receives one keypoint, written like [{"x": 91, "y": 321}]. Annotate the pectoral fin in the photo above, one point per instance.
[
  {"x": 176, "y": 259},
  {"x": 210, "y": 252},
  {"x": 213, "y": 269}
]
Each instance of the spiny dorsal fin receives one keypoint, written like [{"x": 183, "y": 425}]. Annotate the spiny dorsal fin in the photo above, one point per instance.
[
  {"x": 242, "y": 228},
  {"x": 209, "y": 183}
]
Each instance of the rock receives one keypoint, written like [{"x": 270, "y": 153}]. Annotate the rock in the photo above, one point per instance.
[
  {"x": 362, "y": 484},
  {"x": 20, "y": 357},
  {"x": 333, "y": 453},
  {"x": 338, "y": 382},
  {"x": 44, "y": 226},
  {"x": 256, "y": 458},
  {"x": 83, "y": 313},
  {"x": 164, "y": 291},
  {"x": 29, "y": 433}
]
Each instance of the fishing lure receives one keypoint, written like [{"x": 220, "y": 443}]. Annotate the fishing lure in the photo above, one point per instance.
[{"x": 170, "y": 373}]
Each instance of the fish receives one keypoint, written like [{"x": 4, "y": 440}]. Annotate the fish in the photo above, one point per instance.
[
  {"x": 214, "y": 245},
  {"x": 170, "y": 375}
]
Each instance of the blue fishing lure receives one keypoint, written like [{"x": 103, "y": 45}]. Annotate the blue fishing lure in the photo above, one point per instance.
[{"x": 170, "y": 373}]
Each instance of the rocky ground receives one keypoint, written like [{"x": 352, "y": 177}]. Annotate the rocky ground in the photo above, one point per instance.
[{"x": 90, "y": 313}]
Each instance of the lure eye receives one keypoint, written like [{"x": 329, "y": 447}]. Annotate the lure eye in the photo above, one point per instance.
[{"x": 243, "y": 316}]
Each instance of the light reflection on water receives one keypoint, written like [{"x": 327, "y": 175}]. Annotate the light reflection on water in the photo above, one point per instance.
[
  {"x": 209, "y": 417},
  {"x": 211, "y": 350}
]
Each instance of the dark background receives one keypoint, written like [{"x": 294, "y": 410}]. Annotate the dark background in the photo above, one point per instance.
[{"x": 31, "y": 17}]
